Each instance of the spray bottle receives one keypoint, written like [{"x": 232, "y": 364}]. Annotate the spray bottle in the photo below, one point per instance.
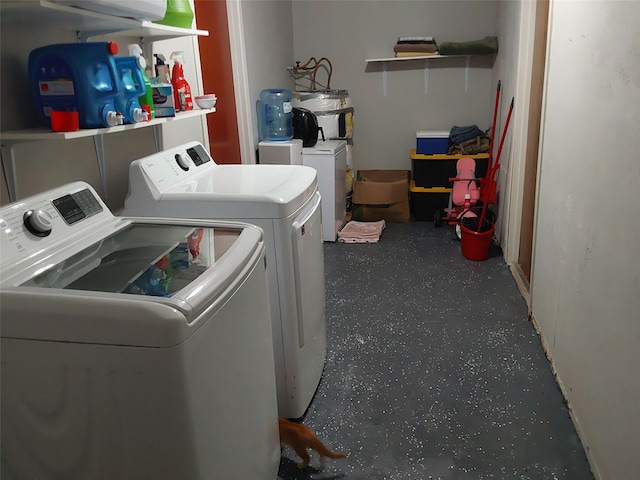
[
  {"x": 146, "y": 100},
  {"x": 162, "y": 69},
  {"x": 181, "y": 89}
]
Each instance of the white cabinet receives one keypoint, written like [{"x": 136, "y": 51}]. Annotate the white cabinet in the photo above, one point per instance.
[
  {"x": 86, "y": 24},
  {"x": 329, "y": 158}
]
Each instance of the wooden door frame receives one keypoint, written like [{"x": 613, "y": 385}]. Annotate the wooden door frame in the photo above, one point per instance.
[{"x": 529, "y": 32}]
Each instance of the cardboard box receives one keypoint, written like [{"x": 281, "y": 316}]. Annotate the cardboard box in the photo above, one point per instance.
[
  {"x": 163, "y": 100},
  {"x": 382, "y": 195},
  {"x": 430, "y": 142}
]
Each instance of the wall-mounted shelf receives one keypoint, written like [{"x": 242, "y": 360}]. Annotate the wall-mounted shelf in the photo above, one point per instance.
[
  {"x": 88, "y": 24},
  {"x": 419, "y": 57},
  {"x": 426, "y": 59},
  {"x": 11, "y": 138},
  {"x": 46, "y": 134}
]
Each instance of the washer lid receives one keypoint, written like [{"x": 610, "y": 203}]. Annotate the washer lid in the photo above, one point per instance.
[
  {"x": 327, "y": 147},
  {"x": 184, "y": 182},
  {"x": 242, "y": 191},
  {"x": 140, "y": 284}
]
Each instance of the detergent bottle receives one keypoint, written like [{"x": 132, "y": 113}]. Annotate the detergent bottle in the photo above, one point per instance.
[
  {"x": 146, "y": 99},
  {"x": 178, "y": 14},
  {"x": 181, "y": 89},
  {"x": 131, "y": 87},
  {"x": 76, "y": 77}
]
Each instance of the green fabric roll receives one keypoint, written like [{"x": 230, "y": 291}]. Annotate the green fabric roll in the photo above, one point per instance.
[{"x": 486, "y": 46}]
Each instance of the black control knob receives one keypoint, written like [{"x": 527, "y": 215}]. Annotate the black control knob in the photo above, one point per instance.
[
  {"x": 182, "y": 162},
  {"x": 37, "y": 222}
]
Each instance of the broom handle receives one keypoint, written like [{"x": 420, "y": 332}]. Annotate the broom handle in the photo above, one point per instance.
[
  {"x": 491, "y": 181},
  {"x": 485, "y": 193},
  {"x": 493, "y": 125},
  {"x": 504, "y": 134}
]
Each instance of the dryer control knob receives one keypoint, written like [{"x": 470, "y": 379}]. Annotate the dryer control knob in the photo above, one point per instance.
[
  {"x": 38, "y": 222},
  {"x": 183, "y": 163}
]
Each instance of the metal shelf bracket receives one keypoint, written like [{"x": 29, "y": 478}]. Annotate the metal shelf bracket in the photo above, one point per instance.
[
  {"x": 9, "y": 167},
  {"x": 98, "y": 143},
  {"x": 384, "y": 78}
]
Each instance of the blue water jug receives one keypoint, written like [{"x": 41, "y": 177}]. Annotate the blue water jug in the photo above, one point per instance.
[
  {"x": 131, "y": 87},
  {"x": 275, "y": 114},
  {"x": 76, "y": 77}
]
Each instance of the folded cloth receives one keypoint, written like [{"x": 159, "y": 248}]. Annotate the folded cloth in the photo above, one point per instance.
[
  {"x": 416, "y": 54},
  {"x": 462, "y": 134},
  {"x": 416, "y": 40},
  {"x": 421, "y": 47},
  {"x": 361, "y": 232},
  {"x": 487, "y": 45}
]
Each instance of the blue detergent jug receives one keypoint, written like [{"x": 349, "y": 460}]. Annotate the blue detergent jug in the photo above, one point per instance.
[
  {"x": 131, "y": 87},
  {"x": 80, "y": 77}
]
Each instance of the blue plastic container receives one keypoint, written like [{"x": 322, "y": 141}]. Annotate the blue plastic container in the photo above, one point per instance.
[
  {"x": 432, "y": 142},
  {"x": 79, "y": 77},
  {"x": 275, "y": 114},
  {"x": 131, "y": 87}
]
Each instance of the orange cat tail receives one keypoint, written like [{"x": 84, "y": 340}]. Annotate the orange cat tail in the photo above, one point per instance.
[
  {"x": 336, "y": 455},
  {"x": 321, "y": 448}
]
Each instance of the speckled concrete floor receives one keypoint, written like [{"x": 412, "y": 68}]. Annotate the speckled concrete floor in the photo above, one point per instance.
[{"x": 434, "y": 370}]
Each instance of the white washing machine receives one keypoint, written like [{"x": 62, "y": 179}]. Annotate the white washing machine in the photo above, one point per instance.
[
  {"x": 329, "y": 158},
  {"x": 283, "y": 200},
  {"x": 133, "y": 348}
]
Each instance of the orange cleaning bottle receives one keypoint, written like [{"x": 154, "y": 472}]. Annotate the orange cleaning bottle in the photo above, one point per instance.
[{"x": 181, "y": 88}]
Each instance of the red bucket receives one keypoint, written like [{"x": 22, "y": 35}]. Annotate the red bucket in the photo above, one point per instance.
[{"x": 476, "y": 245}]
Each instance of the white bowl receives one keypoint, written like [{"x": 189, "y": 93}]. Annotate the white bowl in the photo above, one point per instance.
[{"x": 206, "y": 102}]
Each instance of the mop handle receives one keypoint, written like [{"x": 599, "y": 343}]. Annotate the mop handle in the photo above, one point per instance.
[{"x": 497, "y": 165}]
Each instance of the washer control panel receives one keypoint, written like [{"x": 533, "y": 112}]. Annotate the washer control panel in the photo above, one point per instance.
[
  {"x": 174, "y": 165},
  {"x": 37, "y": 222},
  {"x": 76, "y": 206}
]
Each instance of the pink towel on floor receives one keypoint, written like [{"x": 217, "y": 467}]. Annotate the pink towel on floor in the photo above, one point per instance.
[{"x": 361, "y": 232}]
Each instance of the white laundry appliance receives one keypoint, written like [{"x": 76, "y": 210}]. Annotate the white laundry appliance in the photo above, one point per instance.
[
  {"x": 280, "y": 153},
  {"x": 133, "y": 348},
  {"x": 283, "y": 200},
  {"x": 329, "y": 158}
]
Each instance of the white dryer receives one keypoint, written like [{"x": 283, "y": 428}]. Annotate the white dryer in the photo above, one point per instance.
[
  {"x": 283, "y": 200},
  {"x": 133, "y": 348}
]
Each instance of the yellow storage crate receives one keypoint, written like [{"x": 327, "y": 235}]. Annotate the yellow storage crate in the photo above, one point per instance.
[
  {"x": 435, "y": 170},
  {"x": 425, "y": 201}
]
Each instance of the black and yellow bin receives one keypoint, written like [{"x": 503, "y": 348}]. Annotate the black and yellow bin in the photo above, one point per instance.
[{"x": 425, "y": 201}]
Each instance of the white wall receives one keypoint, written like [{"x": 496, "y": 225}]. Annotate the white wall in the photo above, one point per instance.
[
  {"x": 509, "y": 21},
  {"x": 348, "y": 32},
  {"x": 585, "y": 290},
  {"x": 267, "y": 28}
]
